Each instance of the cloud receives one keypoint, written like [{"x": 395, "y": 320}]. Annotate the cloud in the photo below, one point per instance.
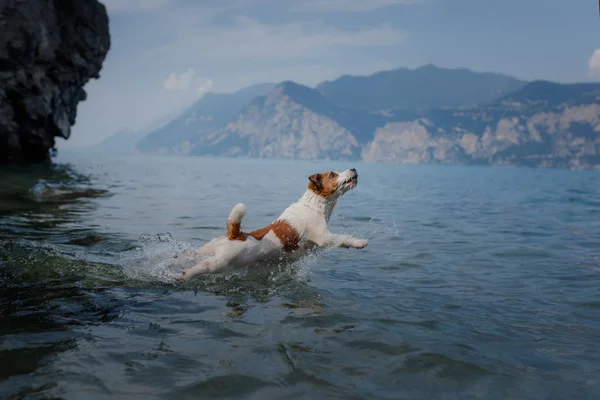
[
  {"x": 348, "y": 5},
  {"x": 185, "y": 81},
  {"x": 179, "y": 82},
  {"x": 204, "y": 87},
  {"x": 133, "y": 5},
  {"x": 594, "y": 65},
  {"x": 293, "y": 5},
  {"x": 165, "y": 51},
  {"x": 247, "y": 38}
]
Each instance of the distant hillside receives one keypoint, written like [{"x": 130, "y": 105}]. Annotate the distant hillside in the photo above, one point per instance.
[
  {"x": 540, "y": 124},
  {"x": 122, "y": 142},
  {"x": 292, "y": 121},
  {"x": 550, "y": 94},
  {"x": 426, "y": 87},
  {"x": 211, "y": 112}
]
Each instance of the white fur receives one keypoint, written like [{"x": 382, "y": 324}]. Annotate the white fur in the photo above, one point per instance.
[
  {"x": 238, "y": 213},
  {"x": 309, "y": 216}
]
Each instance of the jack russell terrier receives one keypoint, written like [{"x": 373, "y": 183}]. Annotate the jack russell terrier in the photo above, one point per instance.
[{"x": 301, "y": 227}]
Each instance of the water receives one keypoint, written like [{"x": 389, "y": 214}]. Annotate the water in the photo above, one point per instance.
[{"x": 478, "y": 283}]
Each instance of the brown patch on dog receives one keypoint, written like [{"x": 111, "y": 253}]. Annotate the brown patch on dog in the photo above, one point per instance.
[
  {"x": 234, "y": 231},
  {"x": 287, "y": 235},
  {"x": 324, "y": 184}
]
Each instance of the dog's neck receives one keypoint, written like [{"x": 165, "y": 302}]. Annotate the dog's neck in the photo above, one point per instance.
[{"x": 319, "y": 203}]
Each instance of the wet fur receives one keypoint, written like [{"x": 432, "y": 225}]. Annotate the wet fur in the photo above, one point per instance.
[{"x": 301, "y": 227}]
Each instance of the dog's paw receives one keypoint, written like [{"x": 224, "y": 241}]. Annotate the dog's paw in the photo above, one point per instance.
[
  {"x": 360, "y": 244},
  {"x": 181, "y": 278}
]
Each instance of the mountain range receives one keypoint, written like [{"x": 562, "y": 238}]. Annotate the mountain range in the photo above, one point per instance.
[{"x": 425, "y": 115}]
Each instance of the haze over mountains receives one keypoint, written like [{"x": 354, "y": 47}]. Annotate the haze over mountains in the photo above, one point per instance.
[{"x": 426, "y": 115}]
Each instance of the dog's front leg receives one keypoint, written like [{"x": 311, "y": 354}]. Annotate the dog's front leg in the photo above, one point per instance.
[{"x": 335, "y": 240}]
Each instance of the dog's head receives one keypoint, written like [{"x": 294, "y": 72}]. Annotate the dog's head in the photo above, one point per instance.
[{"x": 333, "y": 184}]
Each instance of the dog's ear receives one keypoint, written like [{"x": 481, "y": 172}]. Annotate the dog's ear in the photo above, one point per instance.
[{"x": 316, "y": 180}]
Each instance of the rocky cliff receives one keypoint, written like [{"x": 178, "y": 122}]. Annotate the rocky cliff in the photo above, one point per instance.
[
  {"x": 49, "y": 49},
  {"x": 294, "y": 122},
  {"x": 543, "y": 125}
]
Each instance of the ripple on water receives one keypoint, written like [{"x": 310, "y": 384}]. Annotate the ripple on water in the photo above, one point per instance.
[
  {"x": 399, "y": 266},
  {"x": 380, "y": 347},
  {"x": 477, "y": 282},
  {"x": 228, "y": 385},
  {"x": 441, "y": 366}
]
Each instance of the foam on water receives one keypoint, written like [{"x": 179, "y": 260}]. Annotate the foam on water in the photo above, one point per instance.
[
  {"x": 158, "y": 258},
  {"x": 155, "y": 259}
]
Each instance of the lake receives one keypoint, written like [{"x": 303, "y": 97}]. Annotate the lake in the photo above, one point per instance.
[{"x": 478, "y": 283}]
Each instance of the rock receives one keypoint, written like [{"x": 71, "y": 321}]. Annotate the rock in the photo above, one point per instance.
[
  {"x": 49, "y": 49},
  {"x": 564, "y": 136},
  {"x": 291, "y": 122}
]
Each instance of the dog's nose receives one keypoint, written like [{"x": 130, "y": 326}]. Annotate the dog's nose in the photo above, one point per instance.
[{"x": 352, "y": 170}]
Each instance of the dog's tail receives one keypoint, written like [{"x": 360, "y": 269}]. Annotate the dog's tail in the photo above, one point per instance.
[{"x": 234, "y": 223}]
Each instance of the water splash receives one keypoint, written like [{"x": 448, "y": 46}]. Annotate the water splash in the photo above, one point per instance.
[
  {"x": 157, "y": 258},
  {"x": 379, "y": 224},
  {"x": 161, "y": 258}
]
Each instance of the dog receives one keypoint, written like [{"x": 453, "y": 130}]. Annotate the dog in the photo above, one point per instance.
[{"x": 299, "y": 229}]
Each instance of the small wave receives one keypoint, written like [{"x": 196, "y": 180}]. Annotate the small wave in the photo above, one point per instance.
[
  {"x": 378, "y": 224},
  {"x": 44, "y": 191},
  {"x": 156, "y": 259}
]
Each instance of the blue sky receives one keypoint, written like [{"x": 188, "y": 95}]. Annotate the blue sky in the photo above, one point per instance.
[{"x": 166, "y": 53}]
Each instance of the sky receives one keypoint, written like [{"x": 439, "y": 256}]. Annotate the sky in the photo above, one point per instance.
[{"x": 165, "y": 54}]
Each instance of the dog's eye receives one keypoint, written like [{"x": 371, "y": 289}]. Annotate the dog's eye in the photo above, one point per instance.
[{"x": 332, "y": 175}]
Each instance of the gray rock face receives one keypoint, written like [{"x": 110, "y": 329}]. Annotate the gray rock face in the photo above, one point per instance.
[
  {"x": 566, "y": 137},
  {"x": 543, "y": 125},
  {"x": 291, "y": 122},
  {"x": 49, "y": 49},
  {"x": 277, "y": 126}
]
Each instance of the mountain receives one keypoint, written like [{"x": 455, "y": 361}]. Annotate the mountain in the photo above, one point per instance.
[
  {"x": 544, "y": 124},
  {"x": 540, "y": 124},
  {"x": 124, "y": 141},
  {"x": 546, "y": 94},
  {"x": 292, "y": 121},
  {"x": 120, "y": 143},
  {"x": 211, "y": 112},
  {"x": 426, "y": 87}
]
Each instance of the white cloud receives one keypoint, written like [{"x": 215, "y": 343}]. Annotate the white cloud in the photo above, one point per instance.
[
  {"x": 204, "y": 87},
  {"x": 248, "y": 38},
  {"x": 348, "y": 5},
  {"x": 185, "y": 81},
  {"x": 133, "y": 5},
  {"x": 179, "y": 82},
  {"x": 295, "y": 5},
  {"x": 594, "y": 65}
]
